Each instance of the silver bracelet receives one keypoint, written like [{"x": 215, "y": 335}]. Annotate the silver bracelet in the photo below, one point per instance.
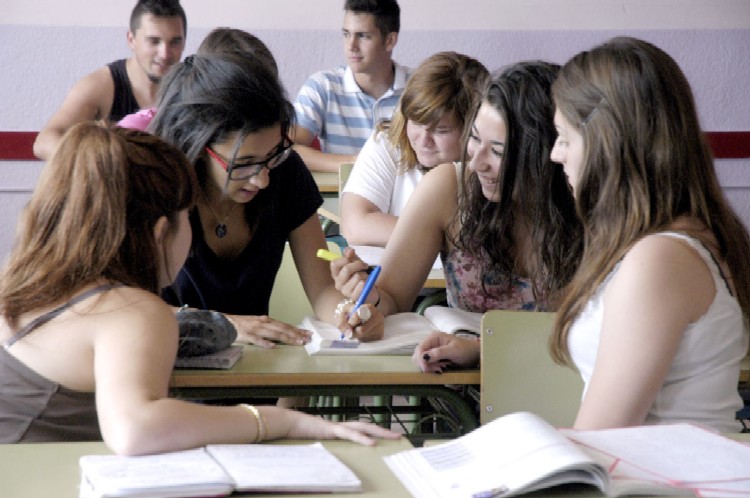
[{"x": 340, "y": 307}]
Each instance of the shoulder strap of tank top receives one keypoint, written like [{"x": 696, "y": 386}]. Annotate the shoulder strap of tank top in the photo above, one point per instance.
[
  {"x": 42, "y": 319},
  {"x": 715, "y": 261}
]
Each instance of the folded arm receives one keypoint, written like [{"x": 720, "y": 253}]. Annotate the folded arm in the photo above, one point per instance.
[{"x": 133, "y": 365}]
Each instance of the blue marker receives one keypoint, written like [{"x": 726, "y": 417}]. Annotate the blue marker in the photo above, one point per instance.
[{"x": 369, "y": 284}]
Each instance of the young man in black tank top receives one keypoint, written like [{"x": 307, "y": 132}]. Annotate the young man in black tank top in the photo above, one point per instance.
[{"x": 157, "y": 38}]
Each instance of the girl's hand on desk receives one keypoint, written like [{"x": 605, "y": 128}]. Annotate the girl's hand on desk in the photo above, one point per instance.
[
  {"x": 440, "y": 350},
  {"x": 349, "y": 274},
  {"x": 303, "y": 426},
  {"x": 354, "y": 328},
  {"x": 264, "y": 331}
]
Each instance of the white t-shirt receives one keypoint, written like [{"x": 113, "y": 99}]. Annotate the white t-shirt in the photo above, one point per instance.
[
  {"x": 701, "y": 385},
  {"x": 375, "y": 176}
]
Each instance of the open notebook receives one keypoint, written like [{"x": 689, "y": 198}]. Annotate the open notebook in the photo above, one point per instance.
[
  {"x": 217, "y": 470},
  {"x": 403, "y": 331}
]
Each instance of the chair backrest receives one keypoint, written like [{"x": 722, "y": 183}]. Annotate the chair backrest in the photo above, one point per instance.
[
  {"x": 289, "y": 302},
  {"x": 344, "y": 170},
  {"x": 518, "y": 373}
]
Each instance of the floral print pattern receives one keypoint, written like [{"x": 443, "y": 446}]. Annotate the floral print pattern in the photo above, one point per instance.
[{"x": 471, "y": 287}]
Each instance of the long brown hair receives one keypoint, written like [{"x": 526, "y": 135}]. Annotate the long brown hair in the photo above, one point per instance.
[
  {"x": 92, "y": 216},
  {"x": 645, "y": 163},
  {"x": 445, "y": 83},
  {"x": 532, "y": 189}
]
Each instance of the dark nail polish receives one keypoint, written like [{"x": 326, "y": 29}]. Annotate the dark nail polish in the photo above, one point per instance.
[{"x": 426, "y": 357}]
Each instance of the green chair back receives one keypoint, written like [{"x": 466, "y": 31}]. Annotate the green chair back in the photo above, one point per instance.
[{"x": 518, "y": 373}]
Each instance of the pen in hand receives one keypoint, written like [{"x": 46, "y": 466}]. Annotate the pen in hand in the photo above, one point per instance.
[{"x": 369, "y": 284}]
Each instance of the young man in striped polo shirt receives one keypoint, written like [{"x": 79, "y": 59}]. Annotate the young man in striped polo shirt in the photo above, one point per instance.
[{"x": 342, "y": 106}]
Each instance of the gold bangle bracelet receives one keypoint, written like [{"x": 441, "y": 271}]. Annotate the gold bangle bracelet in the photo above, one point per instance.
[
  {"x": 263, "y": 427},
  {"x": 260, "y": 426}
]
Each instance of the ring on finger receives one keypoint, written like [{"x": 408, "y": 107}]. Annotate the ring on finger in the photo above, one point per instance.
[{"x": 364, "y": 314}]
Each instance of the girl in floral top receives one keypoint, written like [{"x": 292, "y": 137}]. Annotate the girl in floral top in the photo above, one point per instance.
[{"x": 503, "y": 221}]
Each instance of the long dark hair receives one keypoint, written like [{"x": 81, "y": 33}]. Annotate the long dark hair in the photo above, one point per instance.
[
  {"x": 207, "y": 98},
  {"x": 531, "y": 187}
]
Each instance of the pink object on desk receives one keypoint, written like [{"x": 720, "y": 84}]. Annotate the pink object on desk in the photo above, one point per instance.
[{"x": 139, "y": 120}]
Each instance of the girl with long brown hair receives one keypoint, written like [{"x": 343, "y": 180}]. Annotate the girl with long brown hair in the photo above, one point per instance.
[
  {"x": 655, "y": 319},
  {"x": 88, "y": 345}
]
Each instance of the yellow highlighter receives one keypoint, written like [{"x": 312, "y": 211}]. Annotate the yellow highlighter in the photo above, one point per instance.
[{"x": 327, "y": 255}]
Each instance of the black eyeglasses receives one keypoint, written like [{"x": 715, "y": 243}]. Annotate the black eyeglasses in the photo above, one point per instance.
[{"x": 243, "y": 171}]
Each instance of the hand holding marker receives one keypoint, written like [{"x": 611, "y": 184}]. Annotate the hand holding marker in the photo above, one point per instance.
[
  {"x": 327, "y": 255},
  {"x": 369, "y": 284},
  {"x": 366, "y": 291}
]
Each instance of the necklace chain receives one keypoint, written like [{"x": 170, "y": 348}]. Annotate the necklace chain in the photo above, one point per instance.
[{"x": 221, "y": 225}]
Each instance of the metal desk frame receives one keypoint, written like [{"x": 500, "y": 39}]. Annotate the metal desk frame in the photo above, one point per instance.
[{"x": 288, "y": 371}]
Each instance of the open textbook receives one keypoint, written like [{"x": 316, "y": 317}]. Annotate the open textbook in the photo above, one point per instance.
[
  {"x": 403, "y": 331},
  {"x": 217, "y": 470},
  {"x": 520, "y": 452}
]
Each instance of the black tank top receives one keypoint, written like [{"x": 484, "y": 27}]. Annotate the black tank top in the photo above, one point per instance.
[{"x": 124, "y": 102}]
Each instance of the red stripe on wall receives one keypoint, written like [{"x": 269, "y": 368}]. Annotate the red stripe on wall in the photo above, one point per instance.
[
  {"x": 17, "y": 145},
  {"x": 729, "y": 144}
]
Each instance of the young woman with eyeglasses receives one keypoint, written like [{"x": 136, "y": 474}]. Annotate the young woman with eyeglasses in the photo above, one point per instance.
[{"x": 229, "y": 114}]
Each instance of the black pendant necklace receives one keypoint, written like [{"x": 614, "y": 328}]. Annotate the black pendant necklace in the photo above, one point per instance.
[{"x": 221, "y": 226}]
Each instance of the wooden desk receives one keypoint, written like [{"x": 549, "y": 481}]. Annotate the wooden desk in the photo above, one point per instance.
[
  {"x": 51, "y": 469},
  {"x": 330, "y": 209},
  {"x": 328, "y": 182},
  {"x": 290, "y": 371},
  {"x": 435, "y": 280}
]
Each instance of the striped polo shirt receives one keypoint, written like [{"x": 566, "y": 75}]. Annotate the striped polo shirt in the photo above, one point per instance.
[{"x": 335, "y": 109}]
